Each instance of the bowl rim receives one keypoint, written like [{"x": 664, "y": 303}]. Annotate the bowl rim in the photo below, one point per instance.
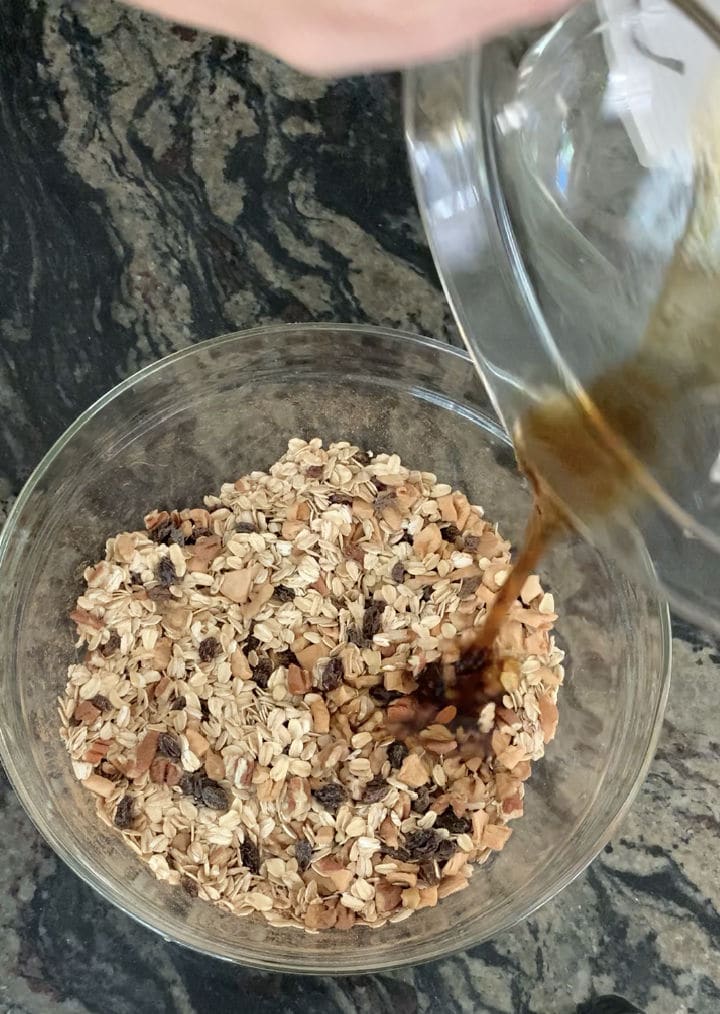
[{"x": 108, "y": 890}]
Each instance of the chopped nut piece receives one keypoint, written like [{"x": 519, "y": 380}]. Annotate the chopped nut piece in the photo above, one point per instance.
[
  {"x": 101, "y": 786},
  {"x": 320, "y": 717},
  {"x": 299, "y": 681},
  {"x": 449, "y": 885},
  {"x": 413, "y": 772}
]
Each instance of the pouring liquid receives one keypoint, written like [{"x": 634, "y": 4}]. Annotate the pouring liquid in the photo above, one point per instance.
[{"x": 605, "y": 449}]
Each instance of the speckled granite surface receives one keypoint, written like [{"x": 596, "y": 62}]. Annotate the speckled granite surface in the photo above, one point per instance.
[{"x": 158, "y": 187}]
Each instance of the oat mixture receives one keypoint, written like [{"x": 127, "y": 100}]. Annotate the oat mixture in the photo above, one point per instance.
[{"x": 252, "y": 708}]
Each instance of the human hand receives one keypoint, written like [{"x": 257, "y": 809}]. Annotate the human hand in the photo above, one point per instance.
[{"x": 346, "y": 36}]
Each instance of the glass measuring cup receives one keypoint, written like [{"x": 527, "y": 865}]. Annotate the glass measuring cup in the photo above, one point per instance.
[{"x": 558, "y": 177}]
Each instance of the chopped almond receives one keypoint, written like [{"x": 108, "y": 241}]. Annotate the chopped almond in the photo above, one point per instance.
[
  {"x": 307, "y": 657},
  {"x": 449, "y": 885},
  {"x": 512, "y": 807},
  {"x": 237, "y": 584},
  {"x": 495, "y": 836},
  {"x": 448, "y": 509},
  {"x": 335, "y": 872},
  {"x": 86, "y": 712},
  {"x": 428, "y": 897},
  {"x": 197, "y": 742},
  {"x": 479, "y": 822},
  {"x": 454, "y": 864},
  {"x": 428, "y": 540},
  {"x": 413, "y": 772},
  {"x": 446, "y": 715},
  {"x": 214, "y": 765},
  {"x": 387, "y": 896},
  {"x": 144, "y": 755},
  {"x": 239, "y": 665},
  {"x": 402, "y": 877},
  {"x": 411, "y": 898},
  {"x": 506, "y": 785},
  {"x": 388, "y": 833},
  {"x": 299, "y": 680},
  {"x": 125, "y": 544},
  {"x": 320, "y": 716},
  {"x": 99, "y": 785},
  {"x": 548, "y": 717},
  {"x": 320, "y": 916},
  {"x": 84, "y": 619}
]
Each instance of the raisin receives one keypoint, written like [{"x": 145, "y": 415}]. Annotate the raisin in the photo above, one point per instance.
[
  {"x": 251, "y": 643},
  {"x": 123, "y": 813},
  {"x": 372, "y": 619},
  {"x": 213, "y": 795},
  {"x": 165, "y": 572},
  {"x": 375, "y": 790},
  {"x": 176, "y": 536},
  {"x": 204, "y": 710},
  {"x": 189, "y": 886},
  {"x": 471, "y": 662},
  {"x": 471, "y": 543},
  {"x": 168, "y": 746},
  {"x": 332, "y": 675},
  {"x": 188, "y": 785},
  {"x": 446, "y": 850},
  {"x": 178, "y": 704},
  {"x": 422, "y": 803},
  {"x": 250, "y": 856},
  {"x": 262, "y": 672},
  {"x": 330, "y": 796},
  {"x": 422, "y": 844},
  {"x": 382, "y": 696},
  {"x": 354, "y": 552},
  {"x": 135, "y": 578},
  {"x": 101, "y": 702},
  {"x": 363, "y": 458},
  {"x": 431, "y": 686},
  {"x": 286, "y": 658},
  {"x": 315, "y": 471},
  {"x": 398, "y": 573},
  {"x": 245, "y": 527},
  {"x": 161, "y": 533},
  {"x": 429, "y": 873},
  {"x": 340, "y": 498},
  {"x": 402, "y": 854},
  {"x": 355, "y": 636},
  {"x": 451, "y": 823},
  {"x": 450, "y": 533},
  {"x": 283, "y": 594},
  {"x": 397, "y": 752},
  {"x": 383, "y": 500},
  {"x": 468, "y": 587},
  {"x": 208, "y": 648},
  {"x": 303, "y": 854},
  {"x": 108, "y": 770},
  {"x": 111, "y": 645}
]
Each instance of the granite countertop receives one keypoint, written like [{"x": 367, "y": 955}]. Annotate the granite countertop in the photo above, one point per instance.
[{"x": 160, "y": 187}]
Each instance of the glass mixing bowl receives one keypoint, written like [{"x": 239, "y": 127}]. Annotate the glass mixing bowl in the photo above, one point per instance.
[
  {"x": 556, "y": 176},
  {"x": 177, "y": 430}
]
